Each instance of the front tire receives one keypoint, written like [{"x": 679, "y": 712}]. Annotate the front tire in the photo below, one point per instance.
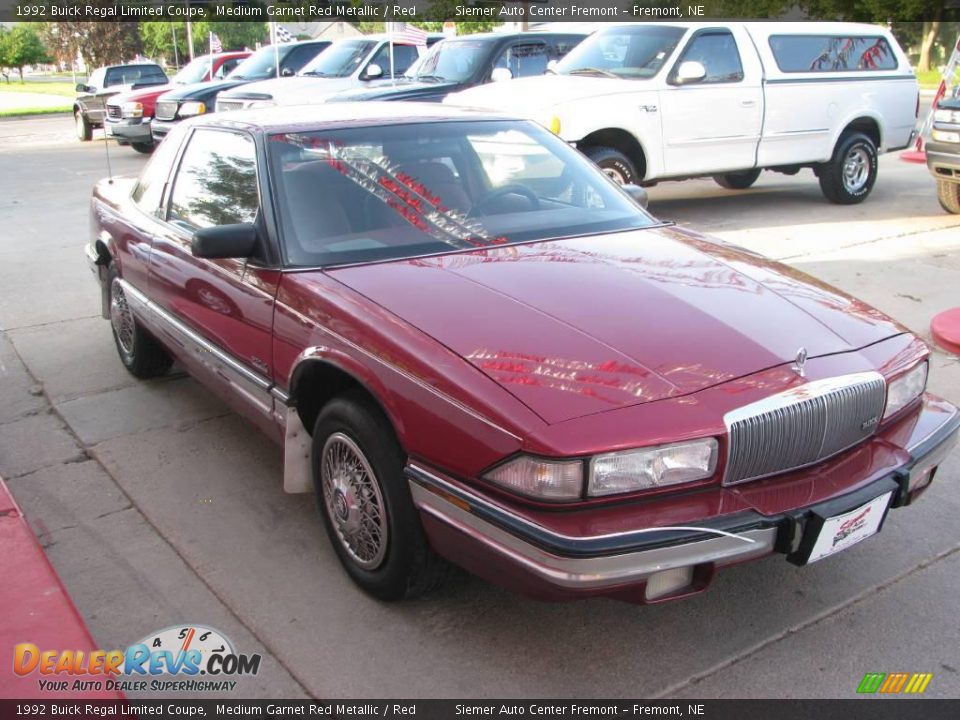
[
  {"x": 737, "y": 181},
  {"x": 849, "y": 176},
  {"x": 949, "y": 195},
  {"x": 144, "y": 148},
  {"x": 82, "y": 126},
  {"x": 364, "y": 499},
  {"x": 614, "y": 164},
  {"x": 139, "y": 352}
]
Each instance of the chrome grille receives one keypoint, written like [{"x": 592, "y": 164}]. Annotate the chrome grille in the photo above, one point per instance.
[
  {"x": 113, "y": 111},
  {"x": 166, "y": 110},
  {"x": 802, "y": 426},
  {"x": 227, "y": 105}
]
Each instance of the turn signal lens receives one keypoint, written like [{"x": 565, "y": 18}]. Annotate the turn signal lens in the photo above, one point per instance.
[
  {"x": 905, "y": 389},
  {"x": 541, "y": 479},
  {"x": 132, "y": 110},
  {"x": 554, "y": 125},
  {"x": 191, "y": 109}
]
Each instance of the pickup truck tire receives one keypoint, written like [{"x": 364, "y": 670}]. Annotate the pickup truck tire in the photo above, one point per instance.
[
  {"x": 949, "y": 196},
  {"x": 614, "y": 164},
  {"x": 849, "y": 176},
  {"x": 140, "y": 353},
  {"x": 145, "y": 148},
  {"x": 737, "y": 181},
  {"x": 83, "y": 128},
  {"x": 364, "y": 499}
]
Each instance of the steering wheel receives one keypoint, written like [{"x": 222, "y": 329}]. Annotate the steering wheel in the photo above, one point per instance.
[{"x": 509, "y": 189}]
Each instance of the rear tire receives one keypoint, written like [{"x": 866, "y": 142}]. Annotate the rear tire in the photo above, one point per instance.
[
  {"x": 144, "y": 148},
  {"x": 737, "y": 181},
  {"x": 949, "y": 195},
  {"x": 849, "y": 176},
  {"x": 614, "y": 164},
  {"x": 364, "y": 499},
  {"x": 139, "y": 352},
  {"x": 83, "y": 128}
]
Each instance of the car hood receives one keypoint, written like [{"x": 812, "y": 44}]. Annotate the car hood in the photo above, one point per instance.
[
  {"x": 402, "y": 90},
  {"x": 528, "y": 95},
  {"x": 580, "y": 326},
  {"x": 299, "y": 90},
  {"x": 141, "y": 94},
  {"x": 952, "y": 104},
  {"x": 186, "y": 92}
]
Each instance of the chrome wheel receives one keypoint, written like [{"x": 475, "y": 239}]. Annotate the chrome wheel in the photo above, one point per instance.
[
  {"x": 352, "y": 498},
  {"x": 615, "y": 175},
  {"x": 856, "y": 169},
  {"x": 121, "y": 318}
]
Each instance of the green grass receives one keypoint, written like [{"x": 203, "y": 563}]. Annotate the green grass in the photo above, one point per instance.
[
  {"x": 17, "y": 112},
  {"x": 929, "y": 79},
  {"x": 42, "y": 88}
]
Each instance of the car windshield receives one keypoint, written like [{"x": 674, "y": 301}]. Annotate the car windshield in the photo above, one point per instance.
[
  {"x": 340, "y": 59},
  {"x": 400, "y": 191},
  {"x": 451, "y": 60},
  {"x": 259, "y": 66},
  {"x": 193, "y": 72},
  {"x": 623, "y": 52}
]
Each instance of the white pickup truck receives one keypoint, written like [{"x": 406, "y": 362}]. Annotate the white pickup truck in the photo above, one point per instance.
[{"x": 670, "y": 101}]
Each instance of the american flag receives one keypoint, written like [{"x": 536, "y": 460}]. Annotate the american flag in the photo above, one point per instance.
[
  {"x": 215, "y": 45},
  {"x": 407, "y": 34},
  {"x": 283, "y": 35}
]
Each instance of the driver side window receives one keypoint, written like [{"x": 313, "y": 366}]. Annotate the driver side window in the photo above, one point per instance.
[{"x": 717, "y": 52}]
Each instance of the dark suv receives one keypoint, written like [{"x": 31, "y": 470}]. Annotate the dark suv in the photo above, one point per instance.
[
  {"x": 943, "y": 153},
  {"x": 89, "y": 107}
]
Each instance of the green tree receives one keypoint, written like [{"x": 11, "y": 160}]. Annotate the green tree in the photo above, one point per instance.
[
  {"x": 19, "y": 47},
  {"x": 158, "y": 37},
  {"x": 98, "y": 43}
]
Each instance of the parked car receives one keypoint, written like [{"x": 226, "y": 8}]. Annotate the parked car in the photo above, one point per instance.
[
  {"x": 89, "y": 107},
  {"x": 459, "y": 63},
  {"x": 197, "y": 99},
  {"x": 943, "y": 153},
  {"x": 348, "y": 63},
  {"x": 627, "y": 446},
  {"x": 664, "y": 101},
  {"x": 129, "y": 114}
]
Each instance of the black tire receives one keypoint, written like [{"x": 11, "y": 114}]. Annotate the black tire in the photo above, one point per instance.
[
  {"x": 407, "y": 566},
  {"x": 737, "y": 181},
  {"x": 145, "y": 148},
  {"x": 139, "y": 352},
  {"x": 840, "y": 180},
  {"x": 614, "y": 164},
  {"x": 82, "y": 126},
  {"x": 949, "y": 195}
]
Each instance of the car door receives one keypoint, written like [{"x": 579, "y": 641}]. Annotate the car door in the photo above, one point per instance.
[
  {"x": 220, "y": 311},
  {"x": 713, "y": 124}
]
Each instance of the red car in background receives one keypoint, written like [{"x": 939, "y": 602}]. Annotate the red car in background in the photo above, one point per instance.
[{"x": 129, "y": 114}]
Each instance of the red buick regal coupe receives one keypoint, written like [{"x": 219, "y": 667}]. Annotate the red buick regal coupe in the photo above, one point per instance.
[{"x": 475, "y": 347}]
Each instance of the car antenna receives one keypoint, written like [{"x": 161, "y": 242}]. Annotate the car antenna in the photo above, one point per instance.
[{"x": 106, "y": 149}]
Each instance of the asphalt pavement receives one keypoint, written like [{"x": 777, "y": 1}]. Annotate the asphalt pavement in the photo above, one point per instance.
[{"x": 158, "y": 506}]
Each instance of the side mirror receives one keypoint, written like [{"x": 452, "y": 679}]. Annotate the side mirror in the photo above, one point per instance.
[
  {"x": 689, "y": 72},
  {"x": 225, "y": 241},
  {"x": 500, "y": 74},
  {"x": 82, "y": 88},
  {"x": 373, "y": 71},
  {"x": 287, "y": 72},
  {"x": 552, "y": 67},
  {"x": 637, "y": 194}
]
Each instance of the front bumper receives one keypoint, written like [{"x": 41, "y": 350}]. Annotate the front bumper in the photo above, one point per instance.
[
  {"x": 159, "y": 129},
  {"x": 127, "y": 131},
  {"x": 506, "y": 547},
  {"x": 943, "y": 159}
]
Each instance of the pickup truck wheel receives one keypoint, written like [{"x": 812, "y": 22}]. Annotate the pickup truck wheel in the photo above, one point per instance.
[
  {"x": 365, "y": 501},
  {"x": 83, "y": 128},
  {"x": 145, "y": 148},
  {"x": 949, "y": 195},
  {"x": 614, "y": 164},
  {"x": 737, "y": 181},
  {"x": 849, "y": 176},
  {"x": 143, "y": 356}
]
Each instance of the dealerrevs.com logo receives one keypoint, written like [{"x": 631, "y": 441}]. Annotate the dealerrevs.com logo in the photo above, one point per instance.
[{"x": 184, "y": 658}]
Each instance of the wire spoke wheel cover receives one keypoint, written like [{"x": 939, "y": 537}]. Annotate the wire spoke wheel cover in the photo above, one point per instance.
[
  {"x": 856, "y": 169},
  {"x": 121, "y": 318},
  {"x": 353, "y": 501}
]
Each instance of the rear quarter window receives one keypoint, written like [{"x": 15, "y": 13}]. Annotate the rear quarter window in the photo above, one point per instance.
[{"x": 832, "y": 53}]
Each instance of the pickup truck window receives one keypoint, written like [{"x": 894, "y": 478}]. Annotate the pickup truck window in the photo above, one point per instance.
[
  {"x": 129, "y": 74},
  {"x": 216, "y": 183},
  {"x": 453, "y": 60},
  {"x": 148, "y": 192},
  {"x": 340, "y": 59},
  {"x": 524, "y": 60},
  {"x": 623, "y": 52},
  {"x": 831, "y": 53},
  {"x": 300, "y": 56},
  {"x": 717, "y": 52},
  {"x": 403, "y": 57}
]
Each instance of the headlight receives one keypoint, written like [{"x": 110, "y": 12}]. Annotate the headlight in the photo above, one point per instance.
[
  {"x": 947, "y": 116},
  {"x": 191, "y": 109},
  {"x": 945, "y": 136},
  {"x": 539, "y": 478},
  {"x": 905, "y": 389},
  {"x": 652, "y": 467},
  {"x": 131, "y": 110}
]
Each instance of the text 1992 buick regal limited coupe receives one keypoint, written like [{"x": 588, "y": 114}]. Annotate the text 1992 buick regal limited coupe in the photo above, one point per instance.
[{"x": 475, "y": 346}]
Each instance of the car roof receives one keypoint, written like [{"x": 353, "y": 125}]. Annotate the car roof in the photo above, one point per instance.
[
  {"x": 342, "y": 115},
  {"x": 515, "y": 34}
]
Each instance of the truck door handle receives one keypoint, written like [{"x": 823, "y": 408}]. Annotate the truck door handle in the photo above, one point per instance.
[{"x": 748, "y": 103}]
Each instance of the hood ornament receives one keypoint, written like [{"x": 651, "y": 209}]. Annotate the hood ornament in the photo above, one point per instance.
[{"x": 801, "y": 362}]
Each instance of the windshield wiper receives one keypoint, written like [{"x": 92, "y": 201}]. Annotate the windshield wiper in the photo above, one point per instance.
[
  {"x": 593, "y": 71},
  {"x": 317, "y": 73},
  {"x": 435, "y": 78}
]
